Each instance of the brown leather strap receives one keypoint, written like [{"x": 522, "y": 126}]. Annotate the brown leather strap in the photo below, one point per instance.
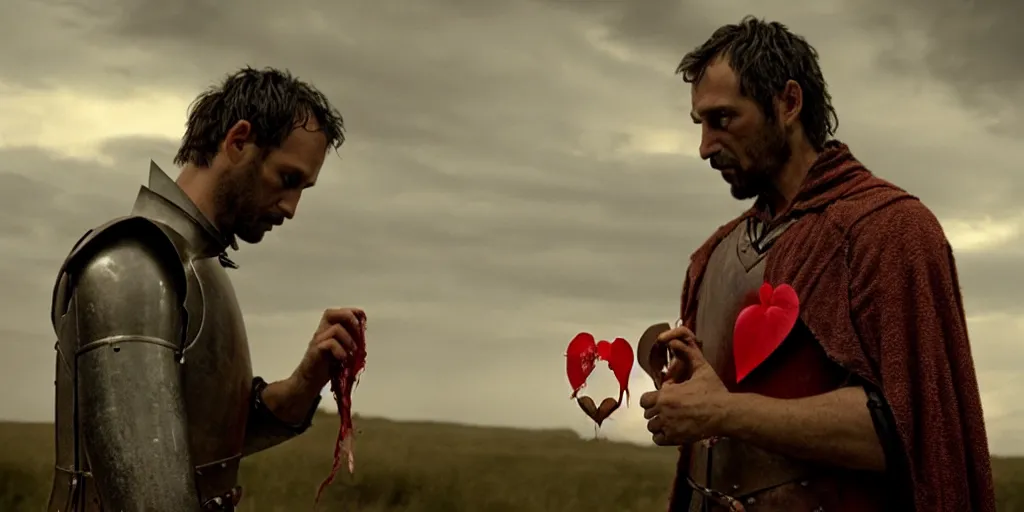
[{"x": 741, "y": 469}]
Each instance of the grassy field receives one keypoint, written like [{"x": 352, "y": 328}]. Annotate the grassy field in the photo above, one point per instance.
[{"x": 429, "y": 467}]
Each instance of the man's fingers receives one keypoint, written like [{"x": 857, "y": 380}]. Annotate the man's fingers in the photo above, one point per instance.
[
  {"x": 648, "y": 399},
  {"x": 660, "y": 439},
  {"x": 652, "y": 412},
  {"x": 332, "y": 347},
  {"x": 654, "y": 426},
  {"x": 679, "y": 371},
  {"x": 677, "y": 333},
  {"x": 349, "y": 317},
  {"x": 339, "y": 335},
  {"x": 687, "y": 351}
]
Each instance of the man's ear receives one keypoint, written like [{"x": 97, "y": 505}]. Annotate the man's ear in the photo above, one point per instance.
[
  {"x": 789, "y": 103},
  {"x": 234, "y": 142}
]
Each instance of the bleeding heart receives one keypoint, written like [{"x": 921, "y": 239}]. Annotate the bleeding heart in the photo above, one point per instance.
[
  {"x": 581, "y": 358},
  {"x": 620, "y": 361},
  {"x": 761, "y": 328}
]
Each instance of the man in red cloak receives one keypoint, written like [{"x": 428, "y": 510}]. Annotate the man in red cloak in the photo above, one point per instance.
[{"x": 871, "y": 401}]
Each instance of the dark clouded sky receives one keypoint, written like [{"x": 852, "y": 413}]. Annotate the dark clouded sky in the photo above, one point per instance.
[{"x": 515, "y": 172}]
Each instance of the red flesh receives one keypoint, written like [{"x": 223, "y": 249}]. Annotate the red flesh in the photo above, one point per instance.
[{"x": 342, "y": 384}]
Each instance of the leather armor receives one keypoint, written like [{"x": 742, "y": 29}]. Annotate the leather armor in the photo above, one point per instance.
[{"x": 761, "y": 480}]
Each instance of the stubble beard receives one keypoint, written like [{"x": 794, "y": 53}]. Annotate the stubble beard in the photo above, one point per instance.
[
  {"x": 236, "y": 200},
  {"x": 768, "y": 154}
]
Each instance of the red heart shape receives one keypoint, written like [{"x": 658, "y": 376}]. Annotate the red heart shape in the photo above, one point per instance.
[
  {"x": 620, "y": 360},
  {"x": 581, "y": 358},
  {"x": 761, "y": 328}
]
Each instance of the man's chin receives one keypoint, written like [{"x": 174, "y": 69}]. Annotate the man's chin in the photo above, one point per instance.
[
  {"x": 253, "y": 236},
  {"x": 742, "y": 192}
]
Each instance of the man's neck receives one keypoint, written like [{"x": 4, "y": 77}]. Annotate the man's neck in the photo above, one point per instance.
[
  {"x": 198, "y": 185},
  {"x": 789, "y": 180}
]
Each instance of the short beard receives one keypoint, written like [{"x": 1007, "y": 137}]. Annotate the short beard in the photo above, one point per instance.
[
  {"x": 237, "y": 204},
  {"x": 767, "y": 154}
]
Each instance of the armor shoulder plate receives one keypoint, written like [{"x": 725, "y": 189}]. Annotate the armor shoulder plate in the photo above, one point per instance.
[
  {"x": 127, "y": 256},
  {"x": 119, "y": 312}
]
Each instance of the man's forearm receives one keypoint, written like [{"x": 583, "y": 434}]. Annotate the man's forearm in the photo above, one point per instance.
[
  {"x": 284, "y": 410},
  {"x": 834, "y": 428},
  {"x": 289, "y": 400}
]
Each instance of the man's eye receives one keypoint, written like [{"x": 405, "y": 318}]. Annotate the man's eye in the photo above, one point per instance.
[
  {"x": 290, "y": 180},
  {"x": 719, "y": 122}
]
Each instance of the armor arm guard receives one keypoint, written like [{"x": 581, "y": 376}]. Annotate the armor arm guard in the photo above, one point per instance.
[
  {"x": 127, "y": 304},
  {"x": 264, "y": 429}
]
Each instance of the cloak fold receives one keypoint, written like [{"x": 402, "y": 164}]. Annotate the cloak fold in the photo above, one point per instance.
[{"x": 879, "y": 290}]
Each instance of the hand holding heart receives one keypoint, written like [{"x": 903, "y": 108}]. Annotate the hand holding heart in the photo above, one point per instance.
[{"x": 690, "y": 404}]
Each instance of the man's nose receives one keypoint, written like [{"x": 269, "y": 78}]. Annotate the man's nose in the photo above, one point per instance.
[
  {"x": 709, "y": 146},
  {"x": 289, "y": 204}
]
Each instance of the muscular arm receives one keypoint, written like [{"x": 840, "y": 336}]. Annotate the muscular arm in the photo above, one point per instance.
[
  {"x": 834, "y": 428},
  {"x": 127, "y": 306}
]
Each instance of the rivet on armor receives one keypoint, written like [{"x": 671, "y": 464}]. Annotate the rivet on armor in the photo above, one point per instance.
[
  {"x": 805, "y": 483},
  {"x": 751, "y": 501},
  {"x": 735, "y": 487},
  {"x": 223, "y": 464}
]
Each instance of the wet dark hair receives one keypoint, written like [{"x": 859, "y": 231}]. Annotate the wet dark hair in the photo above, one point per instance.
[
  {"x": 275, "y": 102},
  {"x": 765, "y": 56}
]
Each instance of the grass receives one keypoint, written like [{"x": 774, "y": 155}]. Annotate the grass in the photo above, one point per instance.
[{"x": 429, "y": 467}]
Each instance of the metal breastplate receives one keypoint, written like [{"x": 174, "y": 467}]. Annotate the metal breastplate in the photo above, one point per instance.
[
  {"x": 216, "y": 380},
  {"x": 216, "y": 376},
  {"x": 761, "y": 480}
]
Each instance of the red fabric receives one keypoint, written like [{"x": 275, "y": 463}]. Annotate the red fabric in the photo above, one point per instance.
[{"x": 879, "y": 291}]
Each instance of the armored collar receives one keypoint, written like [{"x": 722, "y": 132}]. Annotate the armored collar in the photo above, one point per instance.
[{"x": 163, "y": 200}]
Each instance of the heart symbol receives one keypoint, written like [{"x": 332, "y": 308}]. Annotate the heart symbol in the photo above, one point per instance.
[
  {"x": 761, "y": 328},
  {"x": 580, "y": 360},
  {"x": 598, "y": 414}
]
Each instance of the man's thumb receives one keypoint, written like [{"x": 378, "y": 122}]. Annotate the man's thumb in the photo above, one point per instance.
[{"x": 688, "y": 351}]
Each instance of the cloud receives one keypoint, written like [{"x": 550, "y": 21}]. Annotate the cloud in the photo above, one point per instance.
[
  {"x": 973, "y": 46},
  {"x": 514, "y": 173}
]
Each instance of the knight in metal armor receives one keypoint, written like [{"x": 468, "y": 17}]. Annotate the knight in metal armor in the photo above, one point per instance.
[
  {"x": 156, "y": 402},
  {"x": 869, "y": 401}
]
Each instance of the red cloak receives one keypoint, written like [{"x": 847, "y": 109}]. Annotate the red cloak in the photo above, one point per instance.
[{"x": 879, "y": 290}]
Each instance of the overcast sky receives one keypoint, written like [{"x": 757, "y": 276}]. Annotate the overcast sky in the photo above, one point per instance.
[{"x": 516, "y": 171}]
